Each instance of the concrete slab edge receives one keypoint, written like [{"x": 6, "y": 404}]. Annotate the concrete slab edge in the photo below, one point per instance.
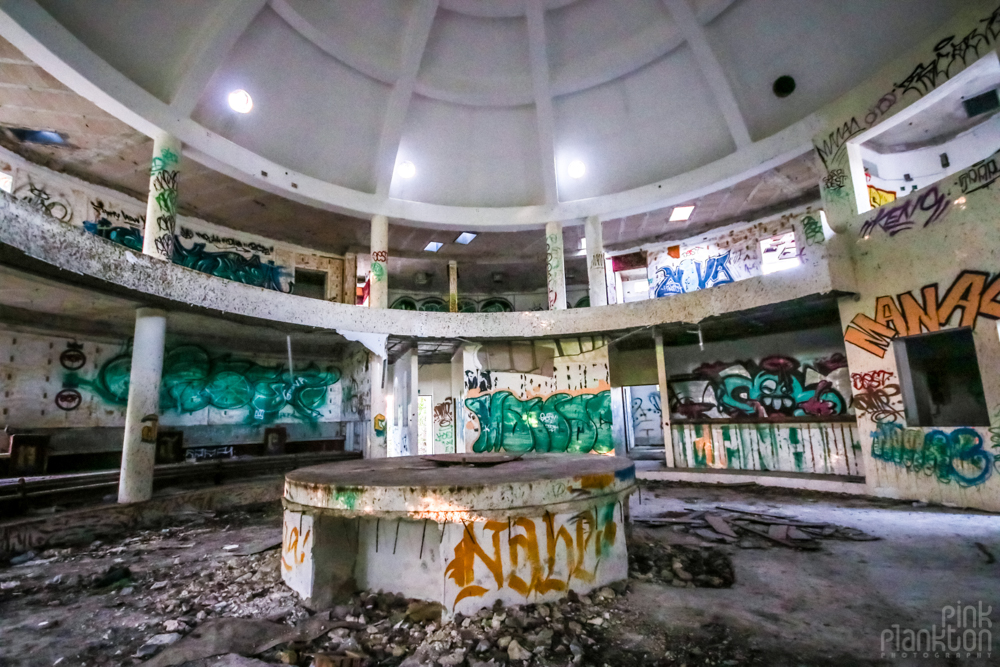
[{"x": 852, "y": 488}]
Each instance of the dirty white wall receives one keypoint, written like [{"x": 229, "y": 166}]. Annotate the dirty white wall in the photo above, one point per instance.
[{"x": 434, "y": 380}]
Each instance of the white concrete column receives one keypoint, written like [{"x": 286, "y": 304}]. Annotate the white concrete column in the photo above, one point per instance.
[
  {"x": 375, "y": 442},
  {"x": 161, "y": 207},
  {"x": 452, "y": 286},
  {"x": 350, "y": 295},
  {"x": 412, "y": 422},
  {"x": 458, "y": 394},
  {"x": 142, "y": 412},
  {"x": 378, "y": 296},
  {"x": 555, "y": 269},
  {"x": 661, "y": 376},
  {"x": 595, "y": 262}
]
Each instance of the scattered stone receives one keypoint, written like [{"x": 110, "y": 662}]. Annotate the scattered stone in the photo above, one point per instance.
[
  {"x": 155, "y": 643},
  {"x": 23, "y": 558},
  {"x": 517, "y": 652}
]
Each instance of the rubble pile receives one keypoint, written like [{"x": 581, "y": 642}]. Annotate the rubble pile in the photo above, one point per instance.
[
  {"x": 680, "y": 566},
  {"x": 753, "y": 530}
]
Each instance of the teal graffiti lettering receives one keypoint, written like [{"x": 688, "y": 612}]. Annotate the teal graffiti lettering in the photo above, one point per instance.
[
  {"x": 560, "y": 423},
  {"x": 958, "y": 456}
]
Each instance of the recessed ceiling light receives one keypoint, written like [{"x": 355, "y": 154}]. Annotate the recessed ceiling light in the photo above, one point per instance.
[
  {"x": 240, "y": 101},
  {"x": 433, "y": 246},
  {"x": 465, "y": 238},
  {"x": 576, "y": 169},
  {"x": 406, "y": 169},
  {"x": 681, "y": 213}
]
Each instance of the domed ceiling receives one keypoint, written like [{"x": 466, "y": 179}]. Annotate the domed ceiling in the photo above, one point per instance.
[{"x": 490, "y": 101}]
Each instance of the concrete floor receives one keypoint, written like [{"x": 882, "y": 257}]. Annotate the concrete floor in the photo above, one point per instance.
[{"x": 787, "y": 607}]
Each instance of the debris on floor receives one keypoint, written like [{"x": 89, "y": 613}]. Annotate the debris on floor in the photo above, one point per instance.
[{"x": 725, "y": 524}]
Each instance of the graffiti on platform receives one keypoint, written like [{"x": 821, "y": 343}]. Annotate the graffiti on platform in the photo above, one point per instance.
[
  {"x": 812, "y": 230},
  {"x": 293, "y": 541},
  {"x": 536, "y": 562},
  {"x": 116, "y": 225},
  {"x": 38, "y": 197},
  {"x": 435, "y": 304},
  {"x": 776, "y": 389},
  {"x": 692, "y": 274},
  {"x": 231, "y": 266},
  {"x": 958, "y": 456},
  {"x": 226, "y": 242},
  {"x": 195, "y": 454},
  {"x": 195, "y": 380},
  {"x": 163, "y": 191},
  {"x": 929, "y": 206},
  {"x": 562, "y": 422},
  {"x": 973, "y": 293}
]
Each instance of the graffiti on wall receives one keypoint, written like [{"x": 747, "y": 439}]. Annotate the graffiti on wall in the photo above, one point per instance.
[
  {"x": 562, "y": 422},
  {"x": 775, "y": 389},
  {"x": 979, "y": 176},
  {"x": 949, "y": 55},
  {"x": 972, "y": 293},
  {"x": 554, "y": 266},
  {"x": 876, "y": 396},
  {"x": 231, "y": 265},
  {"x": 812, "y": 230},
  {"x": 542, "y": 554},
  {"x": 479, "y": 380},
  {"x": 958, "y": 456},
  {"x": 691, "y": 275},
  {"x": 194, "y": 380},
  {"x": 38, "y": 197},
  {"x": 921, "y": 210},
  {"x": 227, "y": 242},
  {"x": 116, "y": 225},
  {"x": 435, "y": 304},
  {"x": 647, "y": 416},
  {"x": 163, "y": 191},
  {"x": 878, "y": 197}
]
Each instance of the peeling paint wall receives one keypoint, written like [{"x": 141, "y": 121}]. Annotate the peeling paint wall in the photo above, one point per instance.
[{"x": 926, "y": 262}]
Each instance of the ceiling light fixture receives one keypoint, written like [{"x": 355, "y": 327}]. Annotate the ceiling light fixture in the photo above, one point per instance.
[
  {"x": 681, "y": 213},
  {"x": 406, "y": 169},
  {"x": 576, "y": 169},
  {"x": 240, "y": 101},
  {"x": 433, "y": 246},
  {"x": 465, "y": 238}
]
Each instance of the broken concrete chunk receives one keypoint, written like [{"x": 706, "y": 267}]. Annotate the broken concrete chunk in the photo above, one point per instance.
[{"x": 719, "y": 525}]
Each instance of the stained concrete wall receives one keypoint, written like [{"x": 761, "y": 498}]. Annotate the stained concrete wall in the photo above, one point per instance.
[
  {"x": 434, "y": 380},
  {"x": 925, "y": 262}
]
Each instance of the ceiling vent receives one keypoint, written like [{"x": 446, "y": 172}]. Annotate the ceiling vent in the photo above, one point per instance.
[{"x": 980, "y": 104}]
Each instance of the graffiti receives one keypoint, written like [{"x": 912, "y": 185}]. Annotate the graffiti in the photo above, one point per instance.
[
  {"x": 958, "y": 456},
  {"x": 166, "y": 159},
  {"x": 194, "y": 380},
  {"x": 434, "y": 304},
  {"x": 776, "y": 389},
  {"x": 444, "y": 413},
  {"x": 73, "y": 357},
  {"x": 102, "y": 211},
  {"x": 647, "y": 416},
  {"x": 68, "y": 400},
  {"x": 871, "y": 379},
  {"x": 163, "y": 190},
  {"x": 979, "y": 176},
  {"x": 379, "y": 425},
  {"x": 972, "y": 293},
  {"x": 129, "y": 234},
  {"x": 560, "y": 423},
  {"x": 39, "y": 198},
  {"x": 880, "y": 108},
  {"x": 293, "y": 551},
  {"x": 835, "y": 179},
  {"x": 380, "y": 256},
  {"x": 876, "y": 403},
  {"x": 833, "y": 148},
  {"x": 481, "y": 380},
  {"x": 931, "y": 205},
  {"x": 378, "y": 271},
  {"x": 536, "y": 561},
  {"x": 690, "y": 275},
  {"x": 231, "y": 266},
  {"x": 196, "y": 454},
  {"x": 812, "y": 229},
  {"x": 878, "y": 197},
  {"x": 554, "y": 264},
  {"x": 165, "y": 245}
]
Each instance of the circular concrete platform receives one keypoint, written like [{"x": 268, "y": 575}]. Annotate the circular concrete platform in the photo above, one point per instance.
[{"x": 462, "y": 530}]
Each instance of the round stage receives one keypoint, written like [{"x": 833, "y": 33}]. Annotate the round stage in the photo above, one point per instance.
[{"x": 464, "y": 530}]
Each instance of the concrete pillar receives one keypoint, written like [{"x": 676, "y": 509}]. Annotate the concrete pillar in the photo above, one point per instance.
[
  {"x": 142, "y": 412},
  {"x": 350, "y": 279},
  {"x": 661, "y": 376},
  {"x": 161, "y": 208},
  {"x": 555, "y": 270},
  {"x": 378, "y": 297},
  {"x": 452, "y": 286},
  {"x": 458, "y": 395},
  {"x": 595, "y": 262},
  {"x": 375, "y": 442}
]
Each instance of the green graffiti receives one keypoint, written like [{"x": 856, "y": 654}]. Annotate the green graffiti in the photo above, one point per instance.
[
  {"x": 194, "y": 380},
  {"x": 956, "y": 456},
  {"x": 560, "y": 423},
  {"x": 229, "y": 265},
  {"x": 378, "y": 270}
]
